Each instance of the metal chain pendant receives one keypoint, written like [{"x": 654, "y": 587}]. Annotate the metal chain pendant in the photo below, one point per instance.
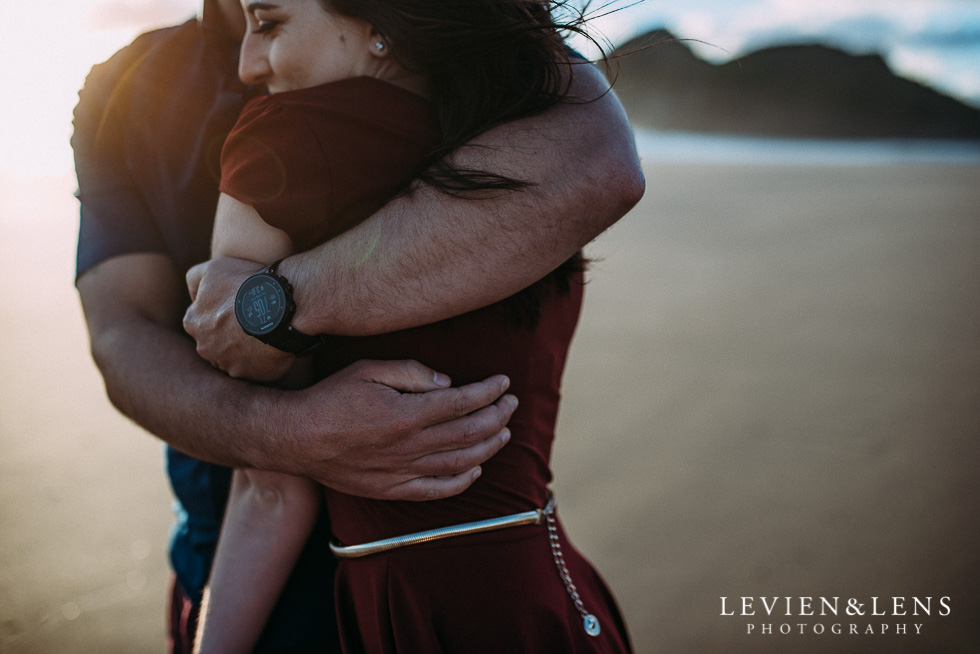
[{"x": 589, "y": 621}]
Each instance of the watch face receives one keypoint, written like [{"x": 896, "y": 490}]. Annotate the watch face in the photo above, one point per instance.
[{"x": 261, "y": 304}]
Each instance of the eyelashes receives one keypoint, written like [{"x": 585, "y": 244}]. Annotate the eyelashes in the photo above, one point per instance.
[{"x": 265, "y": 26}]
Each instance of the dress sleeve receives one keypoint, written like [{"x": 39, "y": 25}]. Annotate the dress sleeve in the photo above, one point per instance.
[
  {"x": 273, "y": 161},
  {"x": 114, "y": 220},
  {"x": 315, "y": 162}
]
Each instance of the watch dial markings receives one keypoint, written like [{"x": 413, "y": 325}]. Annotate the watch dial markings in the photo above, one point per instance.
[{"x": 260, "y": 306}]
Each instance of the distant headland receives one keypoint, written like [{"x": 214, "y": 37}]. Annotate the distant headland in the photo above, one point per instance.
[{"x": 791, "y": 90}]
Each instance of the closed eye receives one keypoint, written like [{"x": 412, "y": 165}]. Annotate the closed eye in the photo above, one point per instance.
[
  {"x": 258, "y": 13},
  {"x": 266, "y": 26}
]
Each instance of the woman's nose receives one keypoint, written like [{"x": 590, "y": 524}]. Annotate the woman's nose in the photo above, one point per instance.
[{"x": 253, "y": 65}]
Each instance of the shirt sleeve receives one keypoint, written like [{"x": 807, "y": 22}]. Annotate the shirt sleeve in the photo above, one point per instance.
[{"x": 114, "y": 220}]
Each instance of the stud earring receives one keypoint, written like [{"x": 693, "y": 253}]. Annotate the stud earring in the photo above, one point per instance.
[{"x": 379, "y": 46}]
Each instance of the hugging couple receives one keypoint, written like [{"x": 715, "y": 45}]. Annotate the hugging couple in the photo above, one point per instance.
[{"x": 368, "y": 215}]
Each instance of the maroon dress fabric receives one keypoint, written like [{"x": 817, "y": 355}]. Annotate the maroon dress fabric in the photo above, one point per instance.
[
  {"x": 494, "y": 592},
  {"x": 315, "y": 162}
]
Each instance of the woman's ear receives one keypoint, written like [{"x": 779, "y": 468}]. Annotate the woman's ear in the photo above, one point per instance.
[{"x": 379, "y": 45}]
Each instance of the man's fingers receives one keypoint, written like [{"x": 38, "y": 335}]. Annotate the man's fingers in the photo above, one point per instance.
[
  {"x": 442, "y": 405},
  {"x": 470, "y": 429},
  {"x": 435, "y": 440},
  {"x": 443, "y": 461},
  {"x": 423, "y": 489},
  {"x": 457, "y": 461},
  {"x": 405, "y": 376}
]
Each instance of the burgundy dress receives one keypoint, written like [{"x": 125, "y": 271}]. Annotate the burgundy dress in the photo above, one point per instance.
[{"x": 494, "y": 592}]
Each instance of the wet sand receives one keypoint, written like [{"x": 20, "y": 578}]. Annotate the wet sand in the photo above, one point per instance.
[{"x": 774, "y": 392}]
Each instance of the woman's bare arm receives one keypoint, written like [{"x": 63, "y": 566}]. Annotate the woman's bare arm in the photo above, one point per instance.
[
  {"x": 269, "y": 518},
  {"x": 269, "y": 514}
]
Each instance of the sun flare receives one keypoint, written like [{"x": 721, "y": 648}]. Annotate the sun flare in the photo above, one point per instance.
[{"x": 50, "y": 61}]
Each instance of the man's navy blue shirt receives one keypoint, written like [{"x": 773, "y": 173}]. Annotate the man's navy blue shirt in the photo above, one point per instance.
[{"x": 149, "y": 127}]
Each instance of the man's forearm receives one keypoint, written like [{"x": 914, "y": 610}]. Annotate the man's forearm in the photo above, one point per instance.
[
  {"x": 154, "y": 376},
  {"x": 430, "y": 256}
]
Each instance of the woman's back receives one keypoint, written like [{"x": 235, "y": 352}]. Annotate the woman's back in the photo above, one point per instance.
[{"x": 468, "y": 348}]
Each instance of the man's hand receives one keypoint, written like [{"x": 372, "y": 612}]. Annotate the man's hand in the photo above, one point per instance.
[
  {"x": 398, "y": 431},
  {"x": 211, "y": 321}
]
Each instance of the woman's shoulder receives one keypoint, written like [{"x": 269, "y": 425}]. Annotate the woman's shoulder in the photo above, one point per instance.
[
  {"x": 362, "y": 98},
  {"x": 344, "y": 122}
]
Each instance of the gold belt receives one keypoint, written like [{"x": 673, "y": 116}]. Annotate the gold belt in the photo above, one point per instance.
[
  {"x": 535, "y": 517},
  {"x": 546, "y": 515}
]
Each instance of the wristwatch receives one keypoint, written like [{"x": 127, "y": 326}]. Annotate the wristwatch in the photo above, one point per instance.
[{"x": 264, "y": 307}]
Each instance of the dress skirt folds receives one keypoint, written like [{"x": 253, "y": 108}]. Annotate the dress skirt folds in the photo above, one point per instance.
[{"x": 487, "y": 593}]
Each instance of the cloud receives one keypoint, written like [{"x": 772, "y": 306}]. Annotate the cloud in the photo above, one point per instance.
[
  {"x": 967, "y": 85},
  {"x": 937, "y": 41},
  {"x": 917, "y": 64},
  {"x": 959, "y": 36},
  {"x": 954, "y": 71}
]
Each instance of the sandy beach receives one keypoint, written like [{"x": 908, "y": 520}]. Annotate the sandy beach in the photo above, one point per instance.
[{"x": 774, "y": 392}]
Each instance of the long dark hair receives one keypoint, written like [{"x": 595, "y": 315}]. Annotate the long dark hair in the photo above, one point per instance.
[{"x": 487, "y": 62}]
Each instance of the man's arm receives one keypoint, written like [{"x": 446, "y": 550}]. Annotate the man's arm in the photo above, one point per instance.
[
  {"x": 454, "y": 255},
  {"x": 352, "y": 431},
  {"x": 430, "y": 256}
]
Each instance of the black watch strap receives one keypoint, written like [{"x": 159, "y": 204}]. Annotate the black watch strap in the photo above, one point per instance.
[
  {"x": 287, "y": 337},
  {"x": 293, "y": 341}
]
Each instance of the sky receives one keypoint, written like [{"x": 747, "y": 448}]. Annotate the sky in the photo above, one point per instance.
[
  {"x": 56, "y": 42},
  {"x": 935, "y": 41}
]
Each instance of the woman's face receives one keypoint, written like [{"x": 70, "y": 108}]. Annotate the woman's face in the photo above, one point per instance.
[{"x": 296, "y": 44}]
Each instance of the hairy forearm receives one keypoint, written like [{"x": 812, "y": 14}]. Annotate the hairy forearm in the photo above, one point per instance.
[
  {"x": 153, "y": 375},
  {"x": 429, "y": 256}
]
